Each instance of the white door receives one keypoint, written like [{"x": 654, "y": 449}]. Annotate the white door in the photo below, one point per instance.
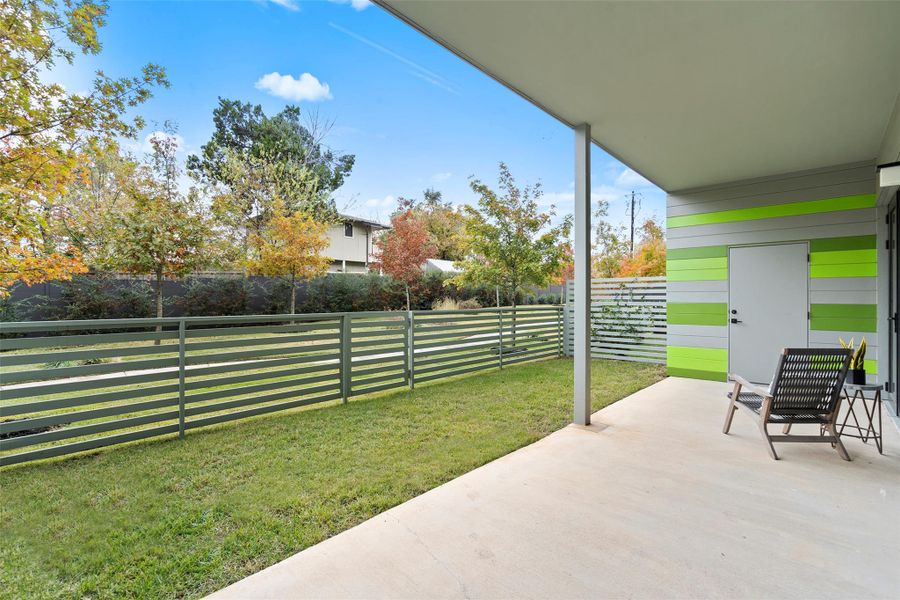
[{"x": 768, "y": 307}]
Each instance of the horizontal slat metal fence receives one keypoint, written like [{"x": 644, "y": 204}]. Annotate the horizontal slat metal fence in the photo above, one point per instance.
[
  {"x": 68, "y": 386},
  {"x": 628, "y": 318}
]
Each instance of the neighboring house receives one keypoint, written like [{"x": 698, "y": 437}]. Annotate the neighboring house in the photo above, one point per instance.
[
  {"x": 436, "y": 265},
  {"x": 350, "y": 246}
]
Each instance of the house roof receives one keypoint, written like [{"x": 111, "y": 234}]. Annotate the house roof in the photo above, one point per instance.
[
  {"x": 692, "y": 94},
  {"x": 445, "y": 266},
  {"x": 369, "y": 222}
]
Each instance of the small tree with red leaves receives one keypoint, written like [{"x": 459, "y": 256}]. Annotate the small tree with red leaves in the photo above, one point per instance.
[{"x": 401, "y": 251}]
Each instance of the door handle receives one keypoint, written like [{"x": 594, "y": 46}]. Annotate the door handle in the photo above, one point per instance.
[{"x": 736, "y": 321}]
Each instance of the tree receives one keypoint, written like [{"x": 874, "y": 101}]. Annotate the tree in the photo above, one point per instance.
[
  {"x": 290, "y": 247},
  {"x": 44, "y": 130},
  {"x": 163, "y": 233},
  {"x": 509, "y": 242},
  {"x": 243, "y": 208},
  {"x": 610, "y": 244},
  {"x": 88, "y": 210},
  {"x": 445, "y": 224},
  {"x": 650, "y": 257},
  {"x": 308, "y": 170},
  {"x": 402, "y": 250}
]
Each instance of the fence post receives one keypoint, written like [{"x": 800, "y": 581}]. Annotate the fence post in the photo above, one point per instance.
[
  {"x": 559, "y": 332},
  {"x": 411, "y": 346},
  {"x": 181, "y": 367},
  {"x": 500, "y": 330},
  {"x": 567, "y": 324},
  {"x": 346, "y": 357}
]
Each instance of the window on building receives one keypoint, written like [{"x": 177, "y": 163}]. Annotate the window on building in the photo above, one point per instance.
[{"x": 348, "y": 229}]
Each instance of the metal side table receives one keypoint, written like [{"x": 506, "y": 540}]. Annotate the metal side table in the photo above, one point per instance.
[{"x": 863, "y": 426}]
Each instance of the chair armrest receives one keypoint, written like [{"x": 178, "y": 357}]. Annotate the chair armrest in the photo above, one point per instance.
[{"x": 752, "y": 387}]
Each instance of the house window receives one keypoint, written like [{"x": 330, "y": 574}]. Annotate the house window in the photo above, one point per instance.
[{"x": 348, "y": 229}]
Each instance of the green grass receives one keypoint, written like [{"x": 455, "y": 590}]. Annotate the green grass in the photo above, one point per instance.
[{"x": 182, "y": 518}]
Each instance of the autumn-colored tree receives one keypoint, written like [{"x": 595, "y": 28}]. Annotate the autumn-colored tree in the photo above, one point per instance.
[
  {"x": 510, "y": 243},
  {"x": 290, "y": 247},
  {"x": 650, "y": 256},
  {"x": 163, "y": 233},
  {"x": 402, "y": 250},
  {"x": 44, "y": 130},
  {"x": 567, "y": 269},
  {"x": 445, "y": 224}
]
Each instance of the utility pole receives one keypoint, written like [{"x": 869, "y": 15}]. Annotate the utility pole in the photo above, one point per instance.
[
  {"x": 634, "y": 197},
  {"x": 631, "y": 245}
]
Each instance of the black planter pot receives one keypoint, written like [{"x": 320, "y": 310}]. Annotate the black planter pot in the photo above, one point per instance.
[{"x": 856, "y": 376}]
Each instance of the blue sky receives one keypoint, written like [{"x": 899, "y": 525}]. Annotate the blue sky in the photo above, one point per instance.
[{"x": 414, "y": 115}]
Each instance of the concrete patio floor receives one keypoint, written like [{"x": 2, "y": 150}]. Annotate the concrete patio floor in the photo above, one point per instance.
[{"x": 651, "y": 501}]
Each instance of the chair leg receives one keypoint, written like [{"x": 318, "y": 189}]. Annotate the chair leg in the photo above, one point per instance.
[
  {"x": 765, "y": 433},
  {"x": 732, "y": 408},
  {"x": 838, "y": 444}
]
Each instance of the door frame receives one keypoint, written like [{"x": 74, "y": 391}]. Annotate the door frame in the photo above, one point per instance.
[
  {"x": 893, "y": 280},
  {"x": 728, "y": 287}
]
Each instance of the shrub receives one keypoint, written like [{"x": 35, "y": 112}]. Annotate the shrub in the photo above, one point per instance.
[
  {"x": 99, "y": 296},
  {"x": 216, "y": 296}
]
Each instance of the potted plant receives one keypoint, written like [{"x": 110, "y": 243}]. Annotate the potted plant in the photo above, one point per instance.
[{"x": 857, "y": 372}]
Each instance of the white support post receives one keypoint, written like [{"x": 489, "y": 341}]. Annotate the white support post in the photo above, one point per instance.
[{"x": 582, "y": 294}]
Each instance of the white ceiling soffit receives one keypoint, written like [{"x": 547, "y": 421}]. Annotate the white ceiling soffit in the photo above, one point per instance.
[{"x": 691, "y": 94}]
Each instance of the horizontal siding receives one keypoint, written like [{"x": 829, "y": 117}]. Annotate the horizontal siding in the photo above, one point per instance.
[
  {"x": 697, "y": 313},
  {"x": 697, "y": 286},
  {"x": 849, "y": 317},
  {"x": 696, "y": 296},
  {"x": 771, "y": 211},
  {"x": 832, "y": 209},
  {"x": 698, "y": 363},
  {"x": 797, "y": 227},
  {"x": 812, "y": 183},
  {"x": 800, "y": 231}
]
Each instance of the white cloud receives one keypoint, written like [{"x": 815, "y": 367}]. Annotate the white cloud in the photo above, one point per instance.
[
  {"x": 307, "y": 87},
  {"x": 629, "y": 178},
  {"x": 380, "y": 202},
  {"x": 288, "y": 4},
  {"x": 439, "y": 177},
  {"x": 356, "y": 4}
]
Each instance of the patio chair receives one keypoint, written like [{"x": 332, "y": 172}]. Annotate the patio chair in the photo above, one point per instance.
[{"x": 806, "y": 390}]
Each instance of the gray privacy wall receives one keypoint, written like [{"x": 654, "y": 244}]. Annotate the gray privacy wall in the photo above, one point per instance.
[{"x": 833, "y": 209}]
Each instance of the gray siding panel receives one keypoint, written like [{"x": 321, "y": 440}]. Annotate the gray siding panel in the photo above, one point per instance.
[
  {"x": 831, "y": 337},
  {"x": 842, "y": 297},
  {"x": 799, "y": 183},
  {"x": 697, "y": 286},
  {"x": 698, "y": 296},
  {"x": 715, "y": 331},
  {"x": 852, "y": 188},
  {"x": 843, "y": 284},
  {"x": 697, "y": 341}
]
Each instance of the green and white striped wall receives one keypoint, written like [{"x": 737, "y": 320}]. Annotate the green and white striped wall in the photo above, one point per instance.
[{"x": 833, "y": 209}]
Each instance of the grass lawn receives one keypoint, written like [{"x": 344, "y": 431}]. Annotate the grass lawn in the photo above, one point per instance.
[{"x": 182, "y": 518}]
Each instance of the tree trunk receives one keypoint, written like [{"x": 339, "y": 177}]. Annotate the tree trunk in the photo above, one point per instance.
[
  {"x": 293, "y": 293},
  {"x": 159, "y": 302},
  {"x": 513, "y": 304},
  {"x": 407, "y": 297}
]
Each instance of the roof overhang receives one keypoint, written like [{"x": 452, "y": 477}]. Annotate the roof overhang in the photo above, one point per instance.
[{"x": 691, "y": 94}]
